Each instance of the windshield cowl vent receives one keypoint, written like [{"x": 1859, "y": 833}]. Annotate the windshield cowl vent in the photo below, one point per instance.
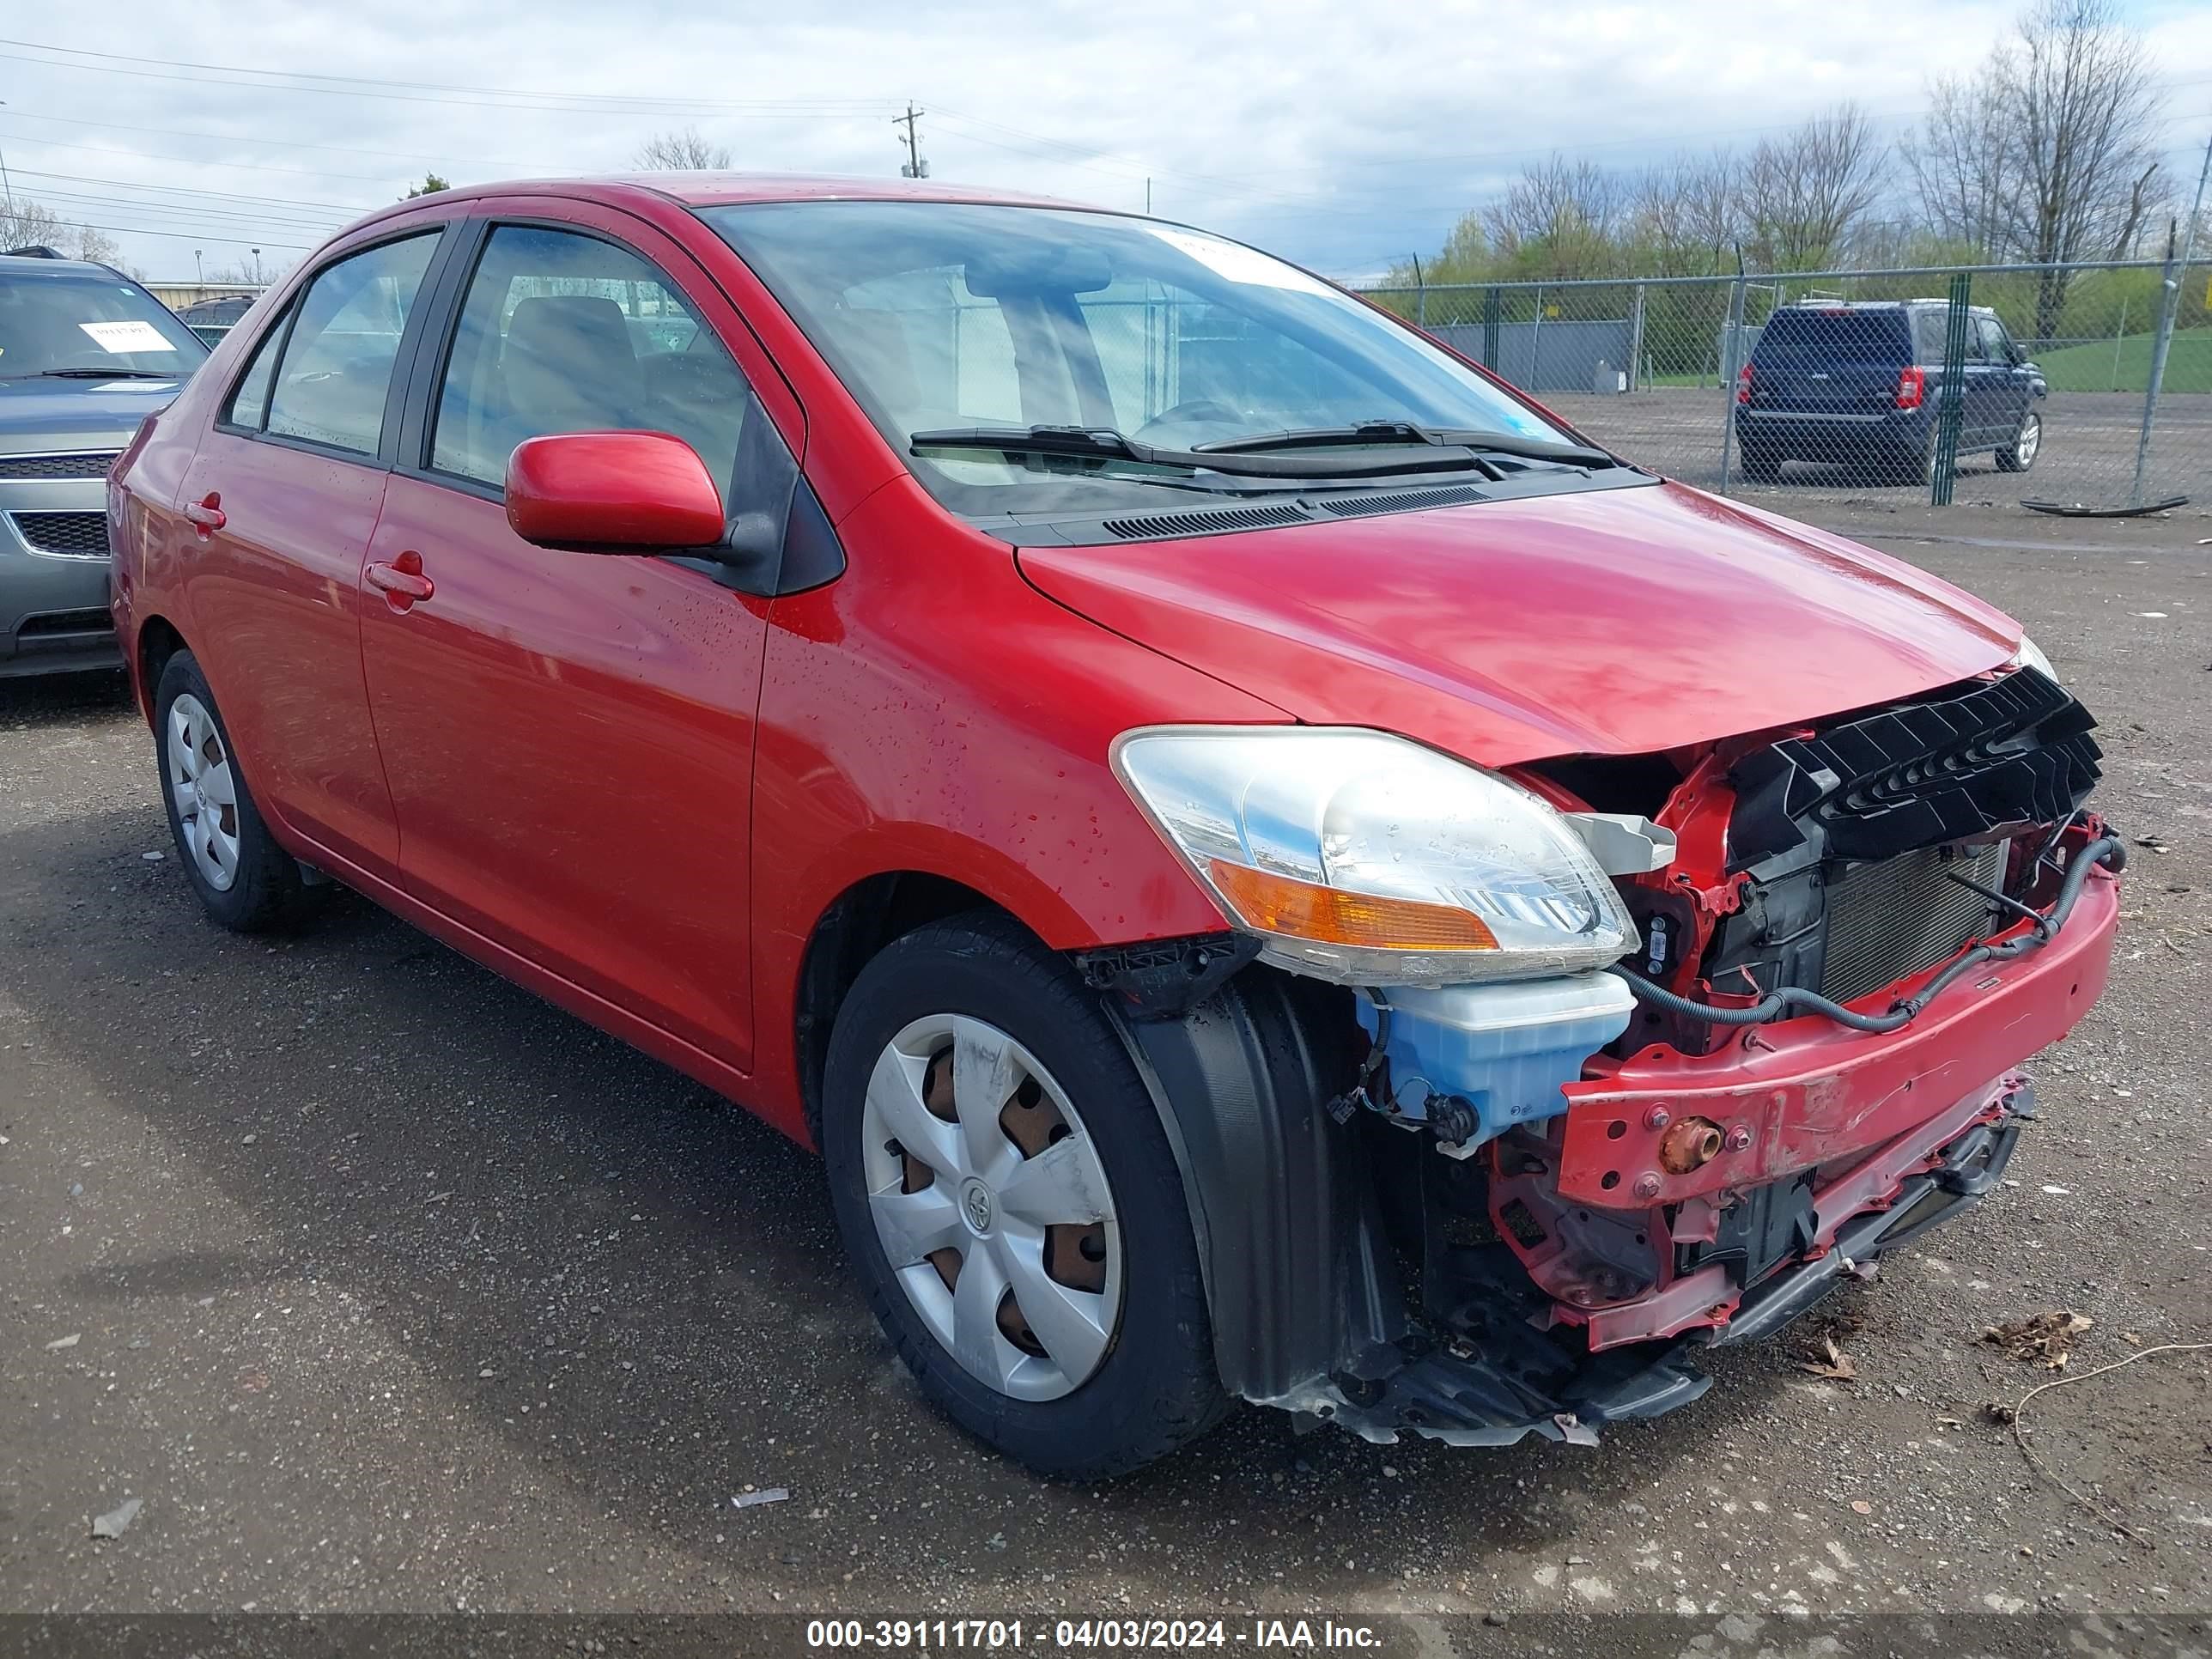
[
  {"x": 1155, "y": 525},
  {"x": 1358, "y": 506}
]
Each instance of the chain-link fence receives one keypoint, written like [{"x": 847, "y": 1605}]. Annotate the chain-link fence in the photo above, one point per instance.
[{"x": 2087, "y": 385}]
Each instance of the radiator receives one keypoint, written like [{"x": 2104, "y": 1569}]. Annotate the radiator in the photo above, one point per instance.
[{"x": 1896, "y": 916}]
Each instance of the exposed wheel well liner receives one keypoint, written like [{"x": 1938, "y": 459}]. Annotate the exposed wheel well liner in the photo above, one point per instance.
[
  {"x": 158, "y": 642},
  {"x": 859, "y": 923}
]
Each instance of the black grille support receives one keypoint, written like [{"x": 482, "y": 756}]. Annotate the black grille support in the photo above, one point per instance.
[{"x": 2014, "y": 750}]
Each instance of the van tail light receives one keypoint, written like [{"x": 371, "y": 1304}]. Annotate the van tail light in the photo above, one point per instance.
[
  {"x": 1744, "y": 384},
  {"x": 1912, "y": 387}
]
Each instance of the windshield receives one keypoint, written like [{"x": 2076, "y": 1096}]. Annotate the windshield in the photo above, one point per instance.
[
  {"x": 940, "y": 316},
  {"x": 84, "y": 324}
]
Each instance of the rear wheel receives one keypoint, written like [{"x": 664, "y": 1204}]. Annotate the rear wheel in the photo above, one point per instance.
[
  {"x": 1758, "y": 463},
  {"x": 244, "y": 880},
  {"x": 1006, "y": 1190},
  {"x": 2020, "y": 454}
]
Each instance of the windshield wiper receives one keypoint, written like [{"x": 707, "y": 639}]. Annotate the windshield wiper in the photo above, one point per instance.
[
  {"x": 1105, "y": 444},
  {"x": 1365, "y": 433},
  {"x": 97, "y": 374}
]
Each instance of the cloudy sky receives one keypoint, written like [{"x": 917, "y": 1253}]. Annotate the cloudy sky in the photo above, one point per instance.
[{"x": 1342, "y": 134}]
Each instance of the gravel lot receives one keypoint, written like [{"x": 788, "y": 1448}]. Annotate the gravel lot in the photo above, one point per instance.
[
  {"x": 386, "y": 1286},
  {"x": 2088, "y": 450}
]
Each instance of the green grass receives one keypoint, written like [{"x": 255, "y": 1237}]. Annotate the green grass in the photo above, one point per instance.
[{"x": 2124, "y": 365}]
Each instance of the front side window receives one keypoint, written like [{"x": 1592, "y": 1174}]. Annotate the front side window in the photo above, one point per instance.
[
  {"x": 337, "y": 368},
  {"x": 564, "y": 332},
  {"x": 87, "y": 325},
  {"x": 1995, "y": 346},
  {"x": 944, "y": 315}
]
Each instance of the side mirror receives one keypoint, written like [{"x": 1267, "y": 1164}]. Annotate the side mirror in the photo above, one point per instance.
[{"x": 612, "y": 492}]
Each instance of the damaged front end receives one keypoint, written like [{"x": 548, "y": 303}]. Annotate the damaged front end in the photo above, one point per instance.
[{"x": 1479, "y": 1210}]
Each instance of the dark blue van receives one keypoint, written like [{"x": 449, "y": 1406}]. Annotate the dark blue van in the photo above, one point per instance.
[{"x": 1859, "y": 384}]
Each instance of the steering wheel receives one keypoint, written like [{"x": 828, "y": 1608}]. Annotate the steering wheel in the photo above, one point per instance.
[{"x": 1191, "y": 411}]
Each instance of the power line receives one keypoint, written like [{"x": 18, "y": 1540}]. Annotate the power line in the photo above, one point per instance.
[{"x": 423, "y": 91}]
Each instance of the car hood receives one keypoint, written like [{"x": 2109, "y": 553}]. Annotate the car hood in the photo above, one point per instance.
[
  {"x": 37, "y": 415},
  {"x": 1621, "y": 620}
]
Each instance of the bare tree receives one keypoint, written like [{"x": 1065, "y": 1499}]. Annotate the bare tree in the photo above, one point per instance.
[
  {"x": 1560, "y": 216},
  {"x": 1960, "y": 163},
  {"x": 2049, "y": 153},
  {"x": 1803, "y": 195},
  {"x": 27, "y": 223},
  {"x": 680, "y": 152},
  {"x": 1685, "y": 214}
]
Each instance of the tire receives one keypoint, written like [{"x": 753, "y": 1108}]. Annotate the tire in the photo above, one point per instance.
[
  {"x": 1916, "y": 468},
  {"x": 1080, "y": 1394},
  {"x": 1759, "y": 464},
  {"x": 246, "y": 882},
  {"x": 2027, "y": 443}
]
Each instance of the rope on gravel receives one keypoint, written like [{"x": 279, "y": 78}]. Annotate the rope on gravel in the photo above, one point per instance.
[{"x": 2019, "y": 1437}]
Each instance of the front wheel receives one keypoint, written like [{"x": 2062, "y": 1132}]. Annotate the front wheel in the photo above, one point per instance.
[
  {"x": 1009, "y": 1198},
  {"x": 2019, "y": 455}
]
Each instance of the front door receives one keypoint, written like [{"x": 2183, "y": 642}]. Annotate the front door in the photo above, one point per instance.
[
  {"x": 282, "y": 500},
  {"x": 568, "y": 736}
]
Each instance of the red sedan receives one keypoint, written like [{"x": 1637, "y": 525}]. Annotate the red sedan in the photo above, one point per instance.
[{"x": 1270, "y": 867}]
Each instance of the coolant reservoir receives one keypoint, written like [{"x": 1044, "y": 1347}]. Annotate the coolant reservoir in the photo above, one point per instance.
[{"x": 1505, "y": 1049}]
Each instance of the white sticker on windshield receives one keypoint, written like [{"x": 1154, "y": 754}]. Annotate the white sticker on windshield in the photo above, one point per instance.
[
  {"x": 120, "y": 338},
  {"x": 1239, "y": 263}
]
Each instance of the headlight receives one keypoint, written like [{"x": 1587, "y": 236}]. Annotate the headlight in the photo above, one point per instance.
[
  {"x": 2030, "y": 655},
  {"x": 1367, "y": 860}
]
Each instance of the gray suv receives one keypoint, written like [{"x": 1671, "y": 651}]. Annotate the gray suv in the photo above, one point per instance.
[{"x": 85, "y": 355}]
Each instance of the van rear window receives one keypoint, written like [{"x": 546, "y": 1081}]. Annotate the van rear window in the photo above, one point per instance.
[{"x": 1810, "y": 338}]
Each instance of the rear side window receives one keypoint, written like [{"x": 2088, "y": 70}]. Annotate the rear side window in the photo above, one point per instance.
[
  {"x": 249, "y": 399},
  {"x": 337, "y": 368},
  {"x": 564, "y": 332},
  {"x": 1812, "y": 340},
  {"x": 1928, "y": 328}
]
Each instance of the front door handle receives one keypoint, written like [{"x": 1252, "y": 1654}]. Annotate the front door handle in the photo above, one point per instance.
[
  {"x": 402, "y": 580},
  {"x": 206, "y": 516}
]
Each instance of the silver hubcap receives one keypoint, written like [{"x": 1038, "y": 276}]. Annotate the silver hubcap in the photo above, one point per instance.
[
  {"x": 992, "y": 1206},
  {"x": 2031, "y": 435},
  {"x": 203, "y": 791}
]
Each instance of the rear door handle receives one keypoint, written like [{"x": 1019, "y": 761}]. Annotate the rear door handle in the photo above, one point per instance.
[
  {"x": 206, "y": 516},
  {"x": 402, "y": 580}
]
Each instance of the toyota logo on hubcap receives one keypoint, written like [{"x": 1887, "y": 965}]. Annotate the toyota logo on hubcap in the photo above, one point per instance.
[{"x": 975, "y": 1204}]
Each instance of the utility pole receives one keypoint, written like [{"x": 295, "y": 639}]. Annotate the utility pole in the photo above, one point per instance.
[
  {"x": 257, "y": 266},
  {"x": 199, "y": 271},
  {"x": 915, "y": 167},
  {"x": 6, "y": 189}
]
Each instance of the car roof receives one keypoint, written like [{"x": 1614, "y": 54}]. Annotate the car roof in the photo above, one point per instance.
[
  {"x": 1865, "y": 305},
  {"x": 38, "y": 265},
  {"x": 703, "y": 189}
]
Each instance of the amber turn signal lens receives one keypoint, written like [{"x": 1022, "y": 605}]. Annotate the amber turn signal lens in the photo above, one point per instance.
[{"x": 1305, "y": 909}]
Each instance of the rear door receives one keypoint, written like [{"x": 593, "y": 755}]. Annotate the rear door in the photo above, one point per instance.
[
  {"x": 1841, "y": 360},
  {"x": 1986, "y": 386},
  {"x": 569, "y": 735},
  {"x": 282, "y": 497},
  {"x": 2009, "y": 383}
]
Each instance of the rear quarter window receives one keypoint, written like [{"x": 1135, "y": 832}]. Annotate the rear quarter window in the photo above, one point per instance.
[{"x": 1806, "y": 338}]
